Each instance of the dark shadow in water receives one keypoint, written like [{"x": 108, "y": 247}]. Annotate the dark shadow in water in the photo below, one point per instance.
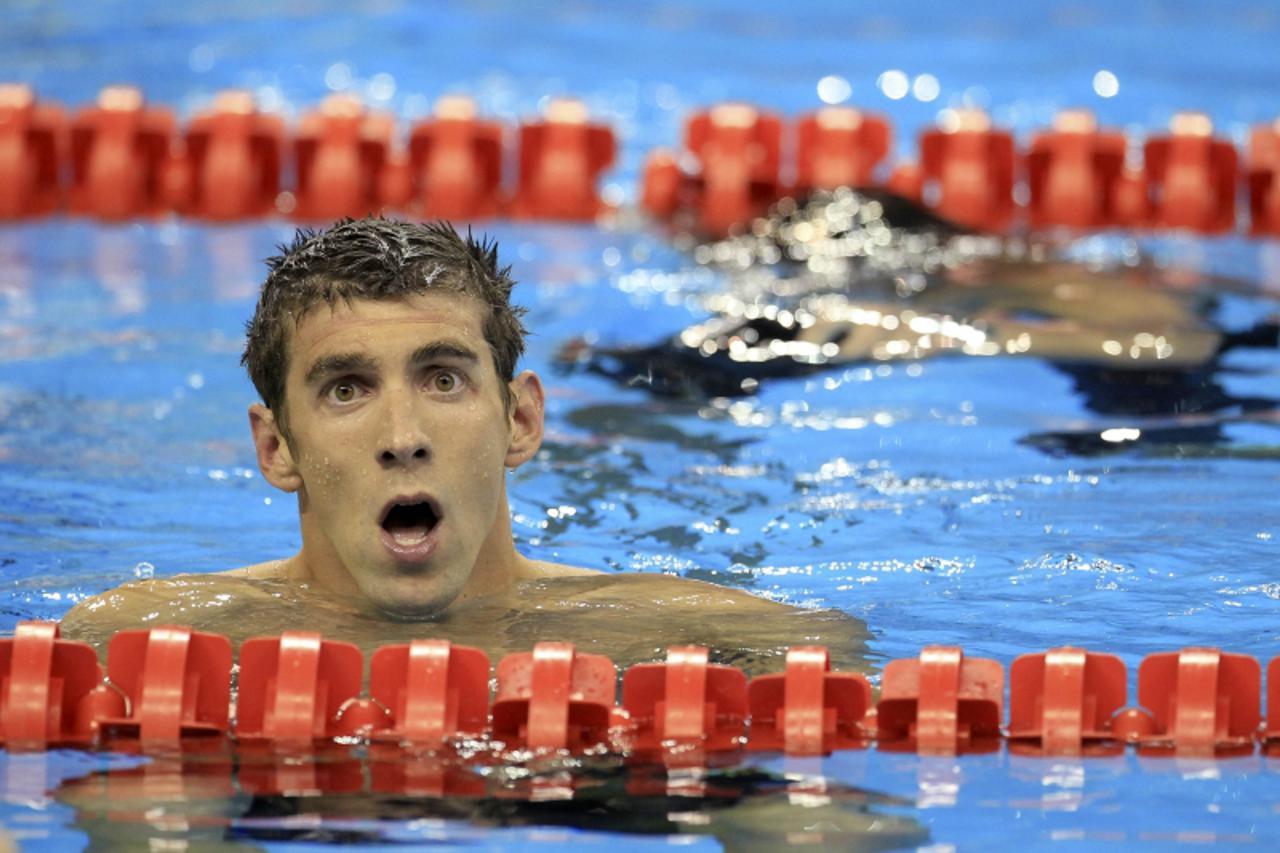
[{"x": 367, "y": 795}]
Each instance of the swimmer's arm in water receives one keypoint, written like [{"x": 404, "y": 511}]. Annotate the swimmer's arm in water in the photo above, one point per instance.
[{"x": 1055, "y": 338}]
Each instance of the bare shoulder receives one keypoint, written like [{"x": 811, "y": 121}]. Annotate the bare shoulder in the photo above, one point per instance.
[
  {"x": 539, "y": 569},
  {"x": 687, "y": 594},
  {"x": 750, "y": 631},
  {"x": 271, "y": 570},
  {"x": 179, "y": 599}
]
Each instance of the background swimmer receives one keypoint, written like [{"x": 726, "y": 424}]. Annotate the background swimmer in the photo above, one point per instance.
[
  {"x": 385, "y": 354},
  {"x": 863, "y": 276}
]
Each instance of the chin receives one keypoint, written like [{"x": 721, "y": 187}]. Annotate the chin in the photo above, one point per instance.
[{"x": 412, "y": 608}]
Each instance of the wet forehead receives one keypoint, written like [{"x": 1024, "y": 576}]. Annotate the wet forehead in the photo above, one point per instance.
[{"x": 362, "y": 324}]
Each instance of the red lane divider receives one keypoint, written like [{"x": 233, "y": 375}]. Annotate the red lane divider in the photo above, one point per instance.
[
  {"x": 809, "y": 710},
  {"x": 972, "y": 166},
  {"x": 455, "y": 163},
  {"x": 434, "y": 691},
  {"x": 1191, "y": 176},
  {"x": 685, "y": 702},
  {"x": 941, "y": 703},
  {"x": 123, "y": 159},
  {"x": 33, "y": 137},
  {"x": 561, "y": 160},
  {"x": 234, "y": 156},
  {"x": 121, "y": 165},
  {"x": 45, "y": 682},
  {"x": 176, "y": 682},
  {"x": 839, "y": 147},
  {"x": 1271, "y": 734},
  {"x": 1072, "y": 172},
  {"x": 553, "y": 698},
  {"x": 1262, "y": 178},
  {"x": 292, "y": 687},
  {"x": 1202, "y": 700},
  {"x": 739, "y": 152},
  {"x": 1062, "y": 701},
  {"x": 340, "y": 150},
  {"x": 298, "y": 692},
  {"x": 736, "y": 152}
]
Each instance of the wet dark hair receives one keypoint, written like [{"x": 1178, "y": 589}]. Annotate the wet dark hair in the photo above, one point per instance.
[{"x": 376, "y": 258}]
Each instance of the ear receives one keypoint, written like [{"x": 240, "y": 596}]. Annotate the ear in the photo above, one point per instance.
[
  {"x": 526, "y": 418},
  {"x": 275, "y": 459}
]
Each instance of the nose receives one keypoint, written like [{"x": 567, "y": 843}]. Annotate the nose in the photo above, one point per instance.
[{"x": 405, "y": 441}]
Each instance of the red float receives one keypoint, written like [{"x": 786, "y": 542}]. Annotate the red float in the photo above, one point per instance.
[
  {"x": 434, "y": 691},
  {"x": 809, "y": 710},
  {"x": 298, "y": 691},
  {"x": 122, "y": 163},
  {"x": 340, "y": 152},
  {"x": 45, "y": 685},
  {"x": 176, "y": 682},
  {"x": 1072, "y": 171},
  {"x": 554, "y": 698},
  {"x": 1201, "y": 700},
  {"x": 1191, "y": 176},
  {"x": 1131, "y": 199},
  {"x": 739, "y": 148},
  {"x": 907, "y": 180},
  {"x": 839, "y": 147},
  {"x": 1062, "y": 701},
  {"x": 1263, "y": 177},
  {"x": 295, "y": 686},
  {"x": 561, "y": 160},
  {"x": 686, "y": 702},
  {"x": 729, "y": 173},
  {"x": 662, "y": 185},
  {"x": 972, "y": 166},
  {"x": 1271, "y": 734},
  {"x": 456, "y": 163},
  {"x": 234, "y": 156},
  {"x": 941, "y": 704},
  {"x": 32, "y": 138}
]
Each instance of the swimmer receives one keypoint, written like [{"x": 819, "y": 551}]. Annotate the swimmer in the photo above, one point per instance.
[
  {"x": 862, "y": 276},
  {"x": 385, "y": 357}
]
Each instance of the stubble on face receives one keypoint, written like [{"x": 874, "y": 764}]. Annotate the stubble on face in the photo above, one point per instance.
[{"x": 422, "y": 417}]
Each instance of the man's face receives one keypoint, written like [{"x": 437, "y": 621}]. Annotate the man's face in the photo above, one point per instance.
[{"x": 399, "y": 437}]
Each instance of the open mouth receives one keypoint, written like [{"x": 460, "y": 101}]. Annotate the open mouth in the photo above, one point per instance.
[{"x": 410, "y": 522}]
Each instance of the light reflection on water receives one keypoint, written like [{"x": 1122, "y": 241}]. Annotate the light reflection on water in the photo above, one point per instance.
[
  {"x": 940, "y": 501},
  {"x": 932, "y": 524}
]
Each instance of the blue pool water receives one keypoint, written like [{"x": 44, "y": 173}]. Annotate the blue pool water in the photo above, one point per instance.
[{"x": 905, "y": 495}]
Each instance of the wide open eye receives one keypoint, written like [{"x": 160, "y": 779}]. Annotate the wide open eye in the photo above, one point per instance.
[
  {"x": 343, "y": 392},
  {"x": 446, "y": 381}
]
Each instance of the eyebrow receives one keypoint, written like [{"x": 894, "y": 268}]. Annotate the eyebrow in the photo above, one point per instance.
[
  {"x": 337, "y": 363},
  {"x": 447, "y": 350}
]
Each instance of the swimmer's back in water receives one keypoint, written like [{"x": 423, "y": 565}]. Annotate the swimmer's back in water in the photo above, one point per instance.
[{"x": 385, "y": 353}]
